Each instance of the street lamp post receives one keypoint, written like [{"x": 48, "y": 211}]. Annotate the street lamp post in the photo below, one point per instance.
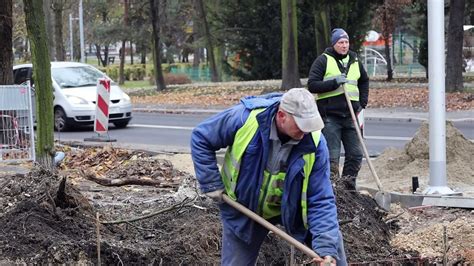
[{"x": 81, "y": 34}]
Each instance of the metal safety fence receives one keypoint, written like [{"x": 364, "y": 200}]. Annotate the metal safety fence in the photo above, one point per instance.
[{"x": 16, "y": 124}]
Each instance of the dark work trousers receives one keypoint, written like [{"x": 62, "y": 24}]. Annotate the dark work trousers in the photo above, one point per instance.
[
  {"x": 237, "y": 252},
  {"x": 341, "y": 129}
]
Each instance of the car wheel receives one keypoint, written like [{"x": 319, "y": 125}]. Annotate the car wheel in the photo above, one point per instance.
[
  {"x": 60, "y": 120},
  {"x": 121, "y": 124}
]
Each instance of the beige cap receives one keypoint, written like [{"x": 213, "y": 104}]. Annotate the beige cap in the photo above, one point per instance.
[{"x": 301, "y": 104}]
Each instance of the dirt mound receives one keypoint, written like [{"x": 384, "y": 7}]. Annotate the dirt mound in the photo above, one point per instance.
[
  {"x": 396, "y": 167},
  {"x": 422, "y": 230},
  {"x": 366, "y": 234},
  {"x": 147, "y": 224}
]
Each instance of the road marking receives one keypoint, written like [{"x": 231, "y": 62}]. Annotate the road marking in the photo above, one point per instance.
[
  {"x": 191, "y": 128},
  {"x": 161, "y": 127},
  {"x": 387, "y": 138}
]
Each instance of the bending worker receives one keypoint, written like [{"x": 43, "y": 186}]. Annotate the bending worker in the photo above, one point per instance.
[
  {"x": 335, "y": 68},
  {"x": 276, "y": 165}
]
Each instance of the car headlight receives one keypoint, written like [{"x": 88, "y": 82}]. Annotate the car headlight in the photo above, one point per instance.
[
  {"x": 76, "y": 100},
  {"x": 126, "y": 98}
]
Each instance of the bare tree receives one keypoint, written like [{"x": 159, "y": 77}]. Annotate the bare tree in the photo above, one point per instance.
[
  {"x": 43, "y": 84},
  {"x": 290, "y": 74},
  {"x": 58, "y": 6},
  {"x": 454, "y": 66},
  {"x": 124, "y": 41},
  {"x": 209, "y": 42},
  {"x": 155, "y": 22},
  {"x": 6, "y": 43},
  {"x": 386, "y": 17}
]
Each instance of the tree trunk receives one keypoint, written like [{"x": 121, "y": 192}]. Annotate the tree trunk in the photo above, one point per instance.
[
  {"x": 122, "y": 63},
  {"x": 389, "y": 58},
  {"x": 290, "y": 74},
  {"x": 196, "y": 35},
  {"x": 58, "y": 7},
  {"x": 454, "y": 66},
  {"x": 124, "y": 41},
  {"x": 155, "y": 22},
  {"x": 321, "y": 27},
  {"x": 49, "y": 26},
  {"x": 209, "y": 42},
  {"x": 35, "y": 26},
  {"x": 6, "y": 43},
  {"x": 143, "y": 53},
  {"x": 131, "y": 53}
]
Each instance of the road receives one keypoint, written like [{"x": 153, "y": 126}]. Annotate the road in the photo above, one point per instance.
[{"x": 156, "y": 131}]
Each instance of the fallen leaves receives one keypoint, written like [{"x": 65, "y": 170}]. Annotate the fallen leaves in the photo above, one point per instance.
[
  {"x": 417, "y": 98},
  {"x": 224, "y": 95},
  {"x": 112, "y": 166}
]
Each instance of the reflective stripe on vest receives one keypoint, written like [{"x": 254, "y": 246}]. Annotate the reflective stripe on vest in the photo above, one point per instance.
[
  {"x": 231, "y": 167},
  {"x": 233, "y": 155},
  {"x": 332, "y": 71}
]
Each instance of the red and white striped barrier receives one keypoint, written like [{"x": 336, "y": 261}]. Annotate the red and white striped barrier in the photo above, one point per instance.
[{"x": 101, "y": 124}]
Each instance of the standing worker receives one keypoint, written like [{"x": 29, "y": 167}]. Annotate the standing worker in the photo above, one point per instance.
[
  {"x": 335, "y": 68},
  {"x": 276, "y": 165}
]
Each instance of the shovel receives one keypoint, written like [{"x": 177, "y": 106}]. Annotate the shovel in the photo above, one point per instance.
[
  {"x": 382, "y": 197},
  {"x": 306, "y": 250}
]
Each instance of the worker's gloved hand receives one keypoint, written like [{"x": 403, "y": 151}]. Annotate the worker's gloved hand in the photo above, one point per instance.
[
  {"x": 216, "y": 195},
  {"x": 341, "y": 79}
]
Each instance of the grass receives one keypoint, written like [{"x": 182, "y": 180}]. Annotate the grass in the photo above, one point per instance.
[{"x": 133, "y": 84}]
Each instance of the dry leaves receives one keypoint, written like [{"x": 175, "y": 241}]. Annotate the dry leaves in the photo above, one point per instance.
[
  {"x": 417, "y": 98},
  {"x": 230, "y": 94},
  {"x": 114, "y": 163}
]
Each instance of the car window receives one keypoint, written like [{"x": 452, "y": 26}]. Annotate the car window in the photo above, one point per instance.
[
  {"x": 81, "y": 76},
  {"x": 21, "y": 75}
]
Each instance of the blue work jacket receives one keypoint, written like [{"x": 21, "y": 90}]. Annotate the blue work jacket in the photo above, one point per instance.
[{"x": 218, "y": 132}]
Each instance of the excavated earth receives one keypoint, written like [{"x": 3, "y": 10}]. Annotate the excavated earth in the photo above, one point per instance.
[{"x": 60, "y": 217}]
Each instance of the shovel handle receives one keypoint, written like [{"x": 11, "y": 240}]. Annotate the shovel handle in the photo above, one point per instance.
[
  {"x": 359, "y": 134},
  {"x": 270, "y": 227}
]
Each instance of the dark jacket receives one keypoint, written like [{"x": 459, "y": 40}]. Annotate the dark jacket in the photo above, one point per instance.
[
  {"x": 219, "y": 131},
  {"x": 336, "y": 105}
]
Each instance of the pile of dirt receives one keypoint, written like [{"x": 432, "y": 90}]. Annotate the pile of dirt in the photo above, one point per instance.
[
  {"x": 421, "y": 230},
  {"x": 432, "y": 230},
  {"x": 396, "y": 167},
  {"x": 147, "y": 224}
]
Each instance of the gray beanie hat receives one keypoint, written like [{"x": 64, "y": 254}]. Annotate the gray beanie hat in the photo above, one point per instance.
[{"x": 338, "y": 34}]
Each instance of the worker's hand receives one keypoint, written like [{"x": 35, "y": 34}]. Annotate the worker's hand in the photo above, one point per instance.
[
  {"x": 326, "y": 261},
  {"x": 341, "y": 79},
  {"x": 216, "y": 195}
]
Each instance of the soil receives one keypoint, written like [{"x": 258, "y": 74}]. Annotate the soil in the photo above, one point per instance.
[
  {"x": 52, "y": 217},
  {"x": 396, "y": 167},
  {"x": 422, "y": 229},
  {"x": 42, "y": 225}
]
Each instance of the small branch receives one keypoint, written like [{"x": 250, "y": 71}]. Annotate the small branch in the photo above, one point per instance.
[
  {"x": 390, "y": 219},
  {"x": 97, "y": 224},
  {"x": 343, "y": 222},
  {"x": 120, "y": 181},
  {"x": 176, "y": 206},
  {"x": 445, "y": 246}
]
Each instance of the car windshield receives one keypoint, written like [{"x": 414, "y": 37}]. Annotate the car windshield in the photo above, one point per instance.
[{"x": 73, "y": 77}]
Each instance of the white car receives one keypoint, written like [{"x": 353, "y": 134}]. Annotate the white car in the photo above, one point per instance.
[{"x": 75, "y": 93}]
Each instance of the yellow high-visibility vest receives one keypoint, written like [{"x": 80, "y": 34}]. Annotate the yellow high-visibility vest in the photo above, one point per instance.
[
  {"x": 332, "y": 72},
  {"x": 231, "y": 167}
]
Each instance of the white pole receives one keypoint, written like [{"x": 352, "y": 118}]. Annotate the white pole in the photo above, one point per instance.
[
  {"x": 437, "y": 113},
  {"x": 71, "y": 44},
  {"x": 81, "y": 32}
]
